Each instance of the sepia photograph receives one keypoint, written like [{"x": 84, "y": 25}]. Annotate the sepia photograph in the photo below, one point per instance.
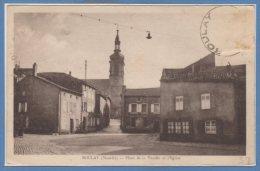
[{"x": 130, "y": 85}]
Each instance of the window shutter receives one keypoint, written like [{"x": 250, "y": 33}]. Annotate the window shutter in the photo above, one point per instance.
[
  {"x": 25, "y": 107},
  {"x": 19, "y": 107},
  {"x": 152, "y": 108},
  {"x": 139, "y": 107},
  {"x": 181, "y": 103},
  {"x": 129, "y": 108}
]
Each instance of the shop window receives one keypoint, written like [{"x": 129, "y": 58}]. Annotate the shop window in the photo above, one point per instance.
[
  {"x": 210, "y": 127},
  {"x": 170, "y": 127},
  {"x": 185, "y": 128},
  {"x": 178, "y": 127}
]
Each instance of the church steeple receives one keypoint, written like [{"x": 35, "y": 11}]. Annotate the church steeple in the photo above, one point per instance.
[
  {"x": 117, "y": 42},
  {"x": 116, "y": 78}
]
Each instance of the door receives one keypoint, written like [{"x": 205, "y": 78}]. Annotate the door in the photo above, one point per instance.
[
  {"x": 156, "y": 126},
  {"x": 84, "y": 123},
  {"x": 71, "y": 126}
]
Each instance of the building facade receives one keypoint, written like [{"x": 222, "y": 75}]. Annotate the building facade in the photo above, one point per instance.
[
  {"x": 48, "y": 107},
  {"x": 204, "y": 102},
  {"x": 59, "y": 103},
  {"x": 88, "y": 107},
  {"x": 141, "y": 110}
]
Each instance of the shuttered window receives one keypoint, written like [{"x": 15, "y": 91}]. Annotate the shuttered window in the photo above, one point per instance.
[
  {"x": 205, "y": 101},
  {"x": 155, "y": 108},
  {"x": 22, "y": 107}
]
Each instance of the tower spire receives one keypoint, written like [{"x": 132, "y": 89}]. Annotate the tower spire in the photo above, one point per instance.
[{"x": 117, "y": 42}]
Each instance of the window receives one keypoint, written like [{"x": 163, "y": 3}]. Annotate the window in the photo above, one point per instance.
[
  {"x": 178, "y": 127},
  {"x": 139, "y": 99},
  {"x": 27, "y": 122},
  {"x": 25, "y": 106},
  {"x": 144, "y": 108},
  {"x": 72, "y": 107},
  {"x": 22, "y": 107},
  {"x": 185, "y": 128},
  {"x": 97, "y": 121},
  {"x": 132, "y": 108},
  {"x": 84, "y": 106},
  {"x": 155, "y": 108},
  {"x": 19, "y": 107},
  {"x": 205, "y": 101},
  {"x": 170, "y": 127},
  {"x": 211, "y": 127},
  {"x": 179, "y": 102}
]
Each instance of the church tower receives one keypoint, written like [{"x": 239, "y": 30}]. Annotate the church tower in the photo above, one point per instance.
[{"x": 116, "y": 78}]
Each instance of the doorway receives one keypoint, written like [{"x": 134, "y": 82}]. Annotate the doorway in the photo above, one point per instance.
[{"x": 71, "y": 126}]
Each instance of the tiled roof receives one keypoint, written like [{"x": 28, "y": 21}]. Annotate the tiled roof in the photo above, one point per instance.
[
  {"x": 50, "y": 83},
  {"x": 143, "y": 92},
  {"x": 64, "y": 80}
]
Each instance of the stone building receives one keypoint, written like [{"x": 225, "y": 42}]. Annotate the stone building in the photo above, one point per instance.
[
  {"x": 54, "y": 102},
  {"x": 141, "y": 110},
  {"x": 204, "y": 102},
  {"x": 50, "y": 108},
  {"x": 20, "y": 105}
]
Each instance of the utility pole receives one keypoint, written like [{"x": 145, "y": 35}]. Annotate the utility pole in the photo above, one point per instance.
[{"x": 86, "y": 63}]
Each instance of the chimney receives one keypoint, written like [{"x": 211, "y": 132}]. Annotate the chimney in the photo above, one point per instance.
[
  {"x": 70, "y": 73},
  {"x": 17, "y": 66},
  {"x": 34, "y": 69}
]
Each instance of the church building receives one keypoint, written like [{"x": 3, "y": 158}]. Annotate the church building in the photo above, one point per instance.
[{"x": 114, "y": 86}]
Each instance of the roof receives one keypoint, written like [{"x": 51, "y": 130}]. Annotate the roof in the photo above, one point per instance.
[
  {"x": 103, "y": 85},
  {"x": 205, "y": 70},
  {"x": 143, "y": 92},
  {"x": 65, "y": 80},
  {"x": 51, "y": 83}
]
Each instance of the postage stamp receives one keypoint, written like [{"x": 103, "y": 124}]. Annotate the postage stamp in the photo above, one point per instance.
[{"x": 130, "y": 85}]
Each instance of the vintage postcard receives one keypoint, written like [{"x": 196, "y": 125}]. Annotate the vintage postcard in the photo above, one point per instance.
[{"x": 130, "y": 85}]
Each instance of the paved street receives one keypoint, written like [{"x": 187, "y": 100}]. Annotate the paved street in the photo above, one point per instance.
[{"x": 111, "y": 141}]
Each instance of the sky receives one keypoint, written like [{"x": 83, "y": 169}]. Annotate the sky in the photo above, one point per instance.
[{"x": 62, "y": 41}]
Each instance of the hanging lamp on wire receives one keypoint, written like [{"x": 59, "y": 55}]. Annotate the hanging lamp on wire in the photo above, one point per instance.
[{"x": 148, "y": 35}]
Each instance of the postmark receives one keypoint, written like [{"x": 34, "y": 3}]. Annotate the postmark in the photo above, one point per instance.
[{"x": 223, "y": 30}]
